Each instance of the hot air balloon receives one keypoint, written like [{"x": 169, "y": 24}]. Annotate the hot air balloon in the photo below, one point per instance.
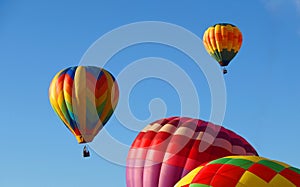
[
  {"x": 84, "y": 97},
  {"x": 167, "y": 149},
  {"x": 242, "y": 171},
  {"x": 222, "y": 41}
]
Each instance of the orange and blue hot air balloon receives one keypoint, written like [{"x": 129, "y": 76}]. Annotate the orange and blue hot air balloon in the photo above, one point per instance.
[
  {"x": 84, "y": 97},
  {"x": 223, "y": 41},
  {"x": 242, "y": 171}
]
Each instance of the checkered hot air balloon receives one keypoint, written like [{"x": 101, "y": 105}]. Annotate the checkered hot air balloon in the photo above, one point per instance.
[
  {"x": 242, "y": 171},
  {"x": 167, "y": 149},
  {"x": 84, "y": 97},
  {"x": 222, "y": 41}
]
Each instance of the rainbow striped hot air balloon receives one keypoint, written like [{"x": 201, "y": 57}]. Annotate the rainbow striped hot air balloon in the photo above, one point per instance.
[
  {"x": 84, "y": 97},
  {"x": 222, "y": 41},
  {"x": 167, "y": 149},
  {"x": 242, "y": 171}
]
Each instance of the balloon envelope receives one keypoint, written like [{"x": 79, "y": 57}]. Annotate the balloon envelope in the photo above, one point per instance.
[
  {"x": 242, "y": 171},
  {"x": 167, "y": 149},
  {"x": 222, "y": 41},
  {"x": 84, "y": 97}
]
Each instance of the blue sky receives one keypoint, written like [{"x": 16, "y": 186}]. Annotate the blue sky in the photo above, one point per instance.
[{"x": 39, "y": 38}]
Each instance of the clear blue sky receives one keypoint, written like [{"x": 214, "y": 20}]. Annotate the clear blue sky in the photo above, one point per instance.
[{"x": 39, "y": 38}]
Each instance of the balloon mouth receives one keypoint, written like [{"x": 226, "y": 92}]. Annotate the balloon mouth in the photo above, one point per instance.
[
  {"x": 223, "y": 64},
  {"x": 81, "y": 140}
]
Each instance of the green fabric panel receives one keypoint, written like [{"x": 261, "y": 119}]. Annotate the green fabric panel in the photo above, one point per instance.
[
  {"x": 107, "y": 117},
  {"x": 220, "y": 161},
  {"x": 273, "y": 165},
  {"x": 100, "y": 108},
  {"x": 227, "y": 55},
  {"x": 223, "y": 57},
  {"x": 216, "y": 56},
  {"x": 199, "y": 185},
  {"x": 219, "y": 55},
  {"x": 65, "y": 112},
  {"x": 243, "y": 163},
  {"x": 295, "y": 170}
]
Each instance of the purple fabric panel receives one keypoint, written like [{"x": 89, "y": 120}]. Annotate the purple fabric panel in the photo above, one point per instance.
[
  {"x": 134, "y": 174},
  {"x": 185, "y": 172},
  {"x": 169, "y": 175},
  {"x": 151, "y": 175}
]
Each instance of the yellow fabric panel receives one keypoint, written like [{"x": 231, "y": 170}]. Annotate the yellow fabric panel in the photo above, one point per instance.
[
  {"x": 188, "y": 178},
  {"x": 98, "y": 127},
  {"x": 67, "y": 96},
  {"x": 207, "y": 41},
  {"x": 79, "y": 97},
  {"x": 212, "y": 41},
  {"x": 206, "y": 46},
  {"x": 204, "y": 39},
  {"x": 58, "y": 111},
  {"x": 218, "y": 37},
  {"x": 79, "y": 139},
  {"x": 52, "y": 92},
  {"x": 279, "y": 180},
  {"x": 250, "y": 179},
  {"x": 60, "y": 99},
  {"x": 115, "y": 94},
  {"x": 90, "y": 95}
]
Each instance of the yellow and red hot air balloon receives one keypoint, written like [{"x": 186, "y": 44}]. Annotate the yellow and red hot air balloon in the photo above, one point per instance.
[
  {"x": 222, "y": 41},
  {"x": 84, "y": 97},
  {"x": 242, "y": 171}
]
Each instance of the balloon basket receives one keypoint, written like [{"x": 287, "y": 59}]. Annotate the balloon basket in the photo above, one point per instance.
[{"x": 85, "y": 152}]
